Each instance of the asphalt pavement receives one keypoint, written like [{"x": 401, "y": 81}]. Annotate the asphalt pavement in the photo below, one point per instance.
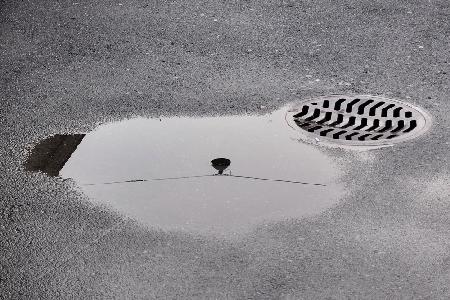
[{"x": 67, "y": 66}]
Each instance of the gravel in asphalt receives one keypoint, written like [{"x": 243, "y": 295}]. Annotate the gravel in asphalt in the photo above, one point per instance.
[{"x": 68, "y": 66}]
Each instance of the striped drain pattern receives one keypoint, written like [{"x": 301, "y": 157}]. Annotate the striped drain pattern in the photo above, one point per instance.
[{"x": 359, "y": 120}]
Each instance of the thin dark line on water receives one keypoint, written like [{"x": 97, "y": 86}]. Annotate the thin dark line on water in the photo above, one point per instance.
[
  {"x": 277, "y": 180},
  {"x": 146, "y": 180},
  {"x": 210, "y": 175}
]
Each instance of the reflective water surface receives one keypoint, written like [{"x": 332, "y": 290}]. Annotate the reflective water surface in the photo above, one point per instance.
[{"x": 171, "y": 160}]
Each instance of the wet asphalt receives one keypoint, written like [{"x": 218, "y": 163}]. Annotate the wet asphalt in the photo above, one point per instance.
[{"x": 68, "y": 66}]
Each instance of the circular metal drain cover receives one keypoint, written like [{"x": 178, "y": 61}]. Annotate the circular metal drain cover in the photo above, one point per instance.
[{"x": 361, "y": 120}]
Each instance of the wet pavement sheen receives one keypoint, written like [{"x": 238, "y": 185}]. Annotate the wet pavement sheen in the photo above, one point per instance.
[{"x": 272, "y": 176}]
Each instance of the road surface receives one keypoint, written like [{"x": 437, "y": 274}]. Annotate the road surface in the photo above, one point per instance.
[{"x": 67, "y": 66}]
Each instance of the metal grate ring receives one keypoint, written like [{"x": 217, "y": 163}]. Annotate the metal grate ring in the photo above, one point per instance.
[{"x": 358, "y": 120}]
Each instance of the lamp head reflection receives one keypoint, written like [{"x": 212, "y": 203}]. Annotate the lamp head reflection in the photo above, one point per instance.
[{"x": 220, "y": 164}]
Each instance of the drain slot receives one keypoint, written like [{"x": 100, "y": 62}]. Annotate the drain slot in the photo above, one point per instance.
[
  {"x": 362, "y": 125},
  {"x": 363, "y": 106},
  {"x": 350, "y": 105},
  {"x": 376, "y": 124},
  {"x": 350, "y": 123},
  {"x": 397, "y": 112},
  {"x": 337, "y": 105},
  {"x": 412, "y": 125},
  {"x": 373, "y": 109},
  {"x": 384, "y": 111}
]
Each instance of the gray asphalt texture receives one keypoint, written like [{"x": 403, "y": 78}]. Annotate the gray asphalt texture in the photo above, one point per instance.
[{"x": 68, "y": 66}]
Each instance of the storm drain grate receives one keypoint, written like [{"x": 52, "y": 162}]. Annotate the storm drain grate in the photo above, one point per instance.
[{"x": 359, "y": 120}]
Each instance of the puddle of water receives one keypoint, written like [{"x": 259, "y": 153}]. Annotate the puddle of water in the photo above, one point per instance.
[{"x": 259, "y": 147}]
